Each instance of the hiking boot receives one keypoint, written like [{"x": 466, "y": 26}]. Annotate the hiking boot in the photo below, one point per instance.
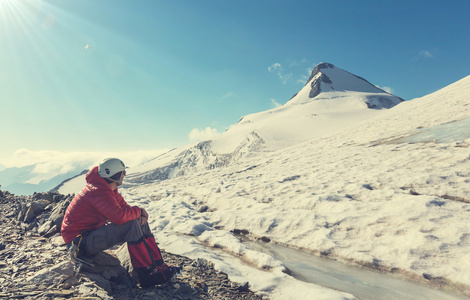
[{"x": 154, "y": 275}]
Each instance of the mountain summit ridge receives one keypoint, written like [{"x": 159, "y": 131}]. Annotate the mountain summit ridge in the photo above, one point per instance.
[{"x": 325, "y": 77}]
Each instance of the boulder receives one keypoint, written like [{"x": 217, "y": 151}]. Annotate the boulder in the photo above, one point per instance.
[
  {"x": 29, "y": 216},
  {"x": 44, "y": 228},
  {"x": 108, "y": 266},
  {"x": 50, "y": 196},
  {"x": 53, "y": 230},
  {"x": 34, "y": 209},
  {"x": 53, "y": 275},
  {"x": 57, "y": 214}
]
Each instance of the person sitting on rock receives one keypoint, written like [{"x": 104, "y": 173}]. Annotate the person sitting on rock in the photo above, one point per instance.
[{"x": 98, "y": 218}]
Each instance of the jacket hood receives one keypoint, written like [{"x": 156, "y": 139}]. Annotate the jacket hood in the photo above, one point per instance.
[{"x": 93, "y": 178}]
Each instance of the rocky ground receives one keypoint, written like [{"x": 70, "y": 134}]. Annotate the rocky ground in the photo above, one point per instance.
[{"x": 34, "y": 262}]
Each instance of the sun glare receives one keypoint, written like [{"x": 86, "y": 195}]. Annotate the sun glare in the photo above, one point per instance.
[
  {"x": 8, "y": 8},
  {"x": 17, "y": 14},
  {"x": 6, "y": 3}
]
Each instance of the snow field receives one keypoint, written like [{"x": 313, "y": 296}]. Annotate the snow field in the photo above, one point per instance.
[
  {"x": 353, "y": 192},
  {"x": 352, "y": 202}
]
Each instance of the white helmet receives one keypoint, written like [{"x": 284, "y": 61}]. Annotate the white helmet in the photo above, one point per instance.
[{"x": 110, "y": 167}]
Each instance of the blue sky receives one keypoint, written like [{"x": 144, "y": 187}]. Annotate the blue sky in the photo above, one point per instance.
[{"x": 113, "y": 75}]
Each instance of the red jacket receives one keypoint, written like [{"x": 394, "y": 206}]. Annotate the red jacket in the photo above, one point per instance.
[{"x": 94, "y": 206}]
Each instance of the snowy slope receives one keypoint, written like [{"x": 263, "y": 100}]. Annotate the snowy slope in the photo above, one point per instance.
[
  {"x": 373, "y": 193},
  {"x": 332, "y": 100},
  {"x": 359, "y": 196}
]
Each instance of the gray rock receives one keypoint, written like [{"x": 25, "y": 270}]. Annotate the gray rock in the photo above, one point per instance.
[
  {"x": 57, "y": 214},
  {"x": 31, "y": 226},
  {"x": 53, "y": 230},
  {"x": 99, "y": 281},
  {"x": 203, "y": 208},
  {"x": 58, "y": 293},
  {"x": 29, "y": 216},
  {"x": 44, "y": 228},
  {"x": 56, "y": 274},
  {"x": 40, "y": 205},
  {"x": 57, "y": 241},
  {"x": 47, "y": 196},
  {"x": 21, "y": 214},
  {"x": 184, "y": 289}
]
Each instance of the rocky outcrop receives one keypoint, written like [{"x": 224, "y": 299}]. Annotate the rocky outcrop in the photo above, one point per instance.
[
  {"x": 319, "y": 80},
  {"x": 320, "y": 77},
  {"x": 34, "y": 261}
]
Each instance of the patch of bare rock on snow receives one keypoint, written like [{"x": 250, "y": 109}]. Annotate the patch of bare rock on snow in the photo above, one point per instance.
[{"x": 34, "y": 262}]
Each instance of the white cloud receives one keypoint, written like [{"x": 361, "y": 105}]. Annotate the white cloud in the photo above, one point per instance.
[
  {"x": 277, "y": 68},
  {"x": 275, "y": 103},
  {"x": 202, "y": 134},
  {"x": 425, "y": 54},
  {"x": 49, "y": 164},
  {"x": 274, "y": 67},
  {"x": 386, "y": 88},
  {"x": 285, "y": 77},
  {"x": 229, "y": 95}
]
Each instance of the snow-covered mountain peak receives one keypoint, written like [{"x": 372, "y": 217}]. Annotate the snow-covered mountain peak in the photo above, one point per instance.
[
  {"x": 326, "y": 78},
  {"x": 333, "y": 100}
]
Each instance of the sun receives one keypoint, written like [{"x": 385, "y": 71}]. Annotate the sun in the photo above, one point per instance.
[
  {"x": 18, "y": 13},
  {"x": 24, "y": 18},
  {"x": 7, "y": 3},
  {"x": 11, "y": 6},
  {"x": 13, "y": 13}
]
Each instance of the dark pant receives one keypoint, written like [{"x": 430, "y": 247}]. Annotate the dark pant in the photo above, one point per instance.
[
  {"x": 112, "y": 234},
  {"x": 143, "y": 250}
]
